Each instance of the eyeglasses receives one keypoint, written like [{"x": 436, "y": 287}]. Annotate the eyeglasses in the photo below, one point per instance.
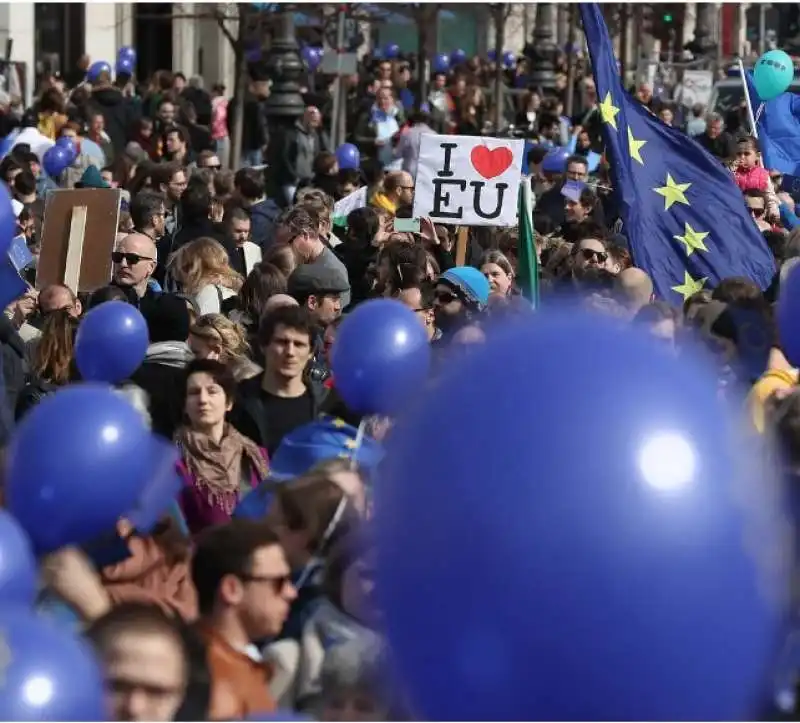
[
  {"x": 278, "y": 582},
  {"x": 214, "y": 167},
  {"x": 589, "y": 254},
  {"x": 446, "y": 296},
  {"x": 132, "y": 259},
  {"x": 757, "y": 212}
]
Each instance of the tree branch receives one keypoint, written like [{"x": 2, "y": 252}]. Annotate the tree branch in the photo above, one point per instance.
[{"x": 221, "y": 19}]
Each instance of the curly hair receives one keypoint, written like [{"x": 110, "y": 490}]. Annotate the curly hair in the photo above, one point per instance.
[
  {"x": 201, "y": 262},
  {"x": 234, "y": 351}
]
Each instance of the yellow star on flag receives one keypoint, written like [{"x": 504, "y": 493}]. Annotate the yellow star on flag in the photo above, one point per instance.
[
  {"x": 673, "y": 192},
  {"x": 635, "y": 147},
  {"x": 608, "y": 111},
  {"x": 689, "y": 287},
  {"x": 349, "y": 443},
  {"x": 693, "y": 240},
  {"x": 338, "y": 422}
]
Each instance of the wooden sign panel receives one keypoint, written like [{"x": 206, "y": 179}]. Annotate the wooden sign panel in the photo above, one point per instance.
[{"x": 78, "y": 236}]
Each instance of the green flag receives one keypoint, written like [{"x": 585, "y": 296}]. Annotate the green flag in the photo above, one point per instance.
[{"x": 527, "y": 263}]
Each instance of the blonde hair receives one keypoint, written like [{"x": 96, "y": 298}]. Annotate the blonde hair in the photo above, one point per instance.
[
  {"x": 231, "y": 339},
  {"x": 200, "y": 262}
]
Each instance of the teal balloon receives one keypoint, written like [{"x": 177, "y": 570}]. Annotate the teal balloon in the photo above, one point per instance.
[{"x": 773, "y": 74}]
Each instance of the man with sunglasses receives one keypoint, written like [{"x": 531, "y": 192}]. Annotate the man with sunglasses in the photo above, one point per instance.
[
  {"x": 589, "y": 253},
  {"x": 757, "y": 205},
  {"x": 134, "y": 263},
  {"x": 244, "y": 594},
  {"x": 461, "y": 297}
]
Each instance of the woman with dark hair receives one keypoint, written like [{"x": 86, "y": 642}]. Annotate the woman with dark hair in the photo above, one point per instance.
[
  {"x": 326, "y": 170},
  {"x": 52, "y": 362},
  {"x": 218, "y": 464},
  {"x": 263, "y": 282}
]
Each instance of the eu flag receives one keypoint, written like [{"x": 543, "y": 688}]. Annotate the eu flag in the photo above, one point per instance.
[
  {"x": 683, "y": 214},
  {"x": 778, "y": 129}
]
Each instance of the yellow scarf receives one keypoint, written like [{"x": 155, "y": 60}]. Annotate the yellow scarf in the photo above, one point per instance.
[{"x": 381, "y": 200}]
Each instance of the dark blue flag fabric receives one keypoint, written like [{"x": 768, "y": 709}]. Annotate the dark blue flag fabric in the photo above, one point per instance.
[
  {"x": 778, "y": 127},
  {"x": 684, "y": 215}
]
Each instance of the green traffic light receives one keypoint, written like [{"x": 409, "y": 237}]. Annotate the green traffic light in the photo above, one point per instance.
[{"x": 667, "y": 18}]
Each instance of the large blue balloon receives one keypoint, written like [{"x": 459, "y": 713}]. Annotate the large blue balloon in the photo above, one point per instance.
[
  {"x": 787, "y": 315},
  {"x": 491, "y": 54},
  {"x": 48, "y": 673},
  {"x": 125, "y": 66},
  {"x": 100, "y": 456},
  {"x": 18, "y": 572},
  {"x": 348, "y": 156},
  {"x": 111, "y": 342},
  {"x": 381, "y": 357},
  {"x": 773, "y": 74},
  {"x": 457, "y": 57},
  {"x": 100, "y": 66},
  {"x": 391, "y": 51},
  {"x": 56, "y": 159},
  {"x": 509, "y": 59},
  {"x": 568, "y": 529}
]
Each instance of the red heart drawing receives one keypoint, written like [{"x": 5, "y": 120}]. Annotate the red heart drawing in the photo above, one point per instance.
[{"x": 491, "y": 163}]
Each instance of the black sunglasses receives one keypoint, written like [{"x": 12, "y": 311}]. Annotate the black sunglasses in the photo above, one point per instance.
[
  {"x": 588, "y": 254},
  {"x": 446, "y": 296},
  {"x": 757, "y": 212},
  {"x": 131, "y": 258}
]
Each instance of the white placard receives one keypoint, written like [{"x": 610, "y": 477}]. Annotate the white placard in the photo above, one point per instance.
[
  {"x": 468, "y": 180},
  {"x": 697, "y": 87}
]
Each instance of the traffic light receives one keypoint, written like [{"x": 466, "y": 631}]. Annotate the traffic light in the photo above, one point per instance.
[{"x": 667, "y": 18}]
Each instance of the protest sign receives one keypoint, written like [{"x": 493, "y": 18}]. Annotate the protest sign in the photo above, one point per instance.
[
  {"x": 78, "y": 235},
  {"x": 467, "y": 180},
  {"x": 15, "y": 257},
  {"x": 697, "y": 87}
]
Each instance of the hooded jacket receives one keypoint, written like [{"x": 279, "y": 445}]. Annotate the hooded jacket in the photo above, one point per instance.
[{"x": 120, "y": 114}]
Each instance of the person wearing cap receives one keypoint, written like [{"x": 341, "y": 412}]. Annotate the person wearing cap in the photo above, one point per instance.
[
  {"x": 318, "y": 289},
  {"x": 462, "y": 295}
]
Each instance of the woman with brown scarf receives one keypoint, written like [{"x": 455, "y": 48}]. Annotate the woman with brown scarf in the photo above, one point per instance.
[{"x": 217, "y": 462}]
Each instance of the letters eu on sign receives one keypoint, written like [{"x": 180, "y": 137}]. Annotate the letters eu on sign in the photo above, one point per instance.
[{"x": 467, "y": 180}]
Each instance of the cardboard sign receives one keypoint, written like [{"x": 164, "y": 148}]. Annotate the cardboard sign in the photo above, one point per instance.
[
  {"x": 78, "y": 236},
  {"x": 697, "y": 87},
  {"x": 468, "y": 180}
]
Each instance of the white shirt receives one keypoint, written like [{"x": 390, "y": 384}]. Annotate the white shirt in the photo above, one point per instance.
[{"x": 208, "y": 298}]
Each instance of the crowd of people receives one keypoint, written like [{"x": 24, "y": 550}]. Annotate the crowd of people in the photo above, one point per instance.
[{"x": 256, "y": 591}]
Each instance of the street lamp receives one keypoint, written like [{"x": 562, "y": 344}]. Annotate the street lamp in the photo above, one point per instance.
[
  {"x": 285, "y": 68},
  {"x": 542, "y": 52},
  {"x": 704, "y": 44}
]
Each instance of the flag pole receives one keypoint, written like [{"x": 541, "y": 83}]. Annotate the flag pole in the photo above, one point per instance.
[{"x": 747, "y": 98}]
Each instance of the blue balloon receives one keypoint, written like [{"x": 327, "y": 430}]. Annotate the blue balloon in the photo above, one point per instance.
[
  {"x": 348, "y": 156},
  {"x": 441, "y": 63},
  {"x": 312, "y": 57},
  {"x": 7, "y": 144},
  {"x": 18, "y": 571},
  {"x": 125, "y": 66},
  {"x": 786, "y": 316},
  {"x": 550, "y": 551},
  {"x": 509, "y": 59},
  {"x": 70, "y": 145},
  {"x": 773, "y": 74},
  {"x": 555, "y": 161},
  {"x": 381, "y": 357},
  {"x": 491, "y": 54},
  {"x": 56, "y": 159},
  {"x": 99, "y": 459},
  {"x": 111, "y": 342},
  {"x": 48, "y": 673},
  {"x": 128, "y": 53},
  {"x": 391, "y": 51},
  {"x": 457, "y": 57},
  {"x": 100, "y": 66}
]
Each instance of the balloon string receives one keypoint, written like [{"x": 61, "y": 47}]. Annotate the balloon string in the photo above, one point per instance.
[{"x": 359, "y": 439}]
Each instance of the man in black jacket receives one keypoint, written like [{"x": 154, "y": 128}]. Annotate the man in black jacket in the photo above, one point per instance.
[
  {"x": 119, "y": 113},
  {"x": 270, "y": 406},
  {"x": 716, "y": 140},
  {"x": 12, "y": 357}
]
